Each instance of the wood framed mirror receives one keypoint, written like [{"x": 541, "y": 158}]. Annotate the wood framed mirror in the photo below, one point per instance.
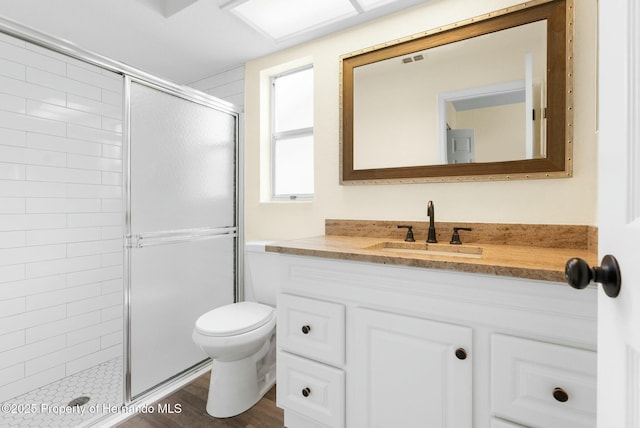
[{"x": 488, "y": 98}]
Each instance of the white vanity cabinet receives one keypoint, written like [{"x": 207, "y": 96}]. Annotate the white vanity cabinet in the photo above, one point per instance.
[{"x": 365, "y": 345}]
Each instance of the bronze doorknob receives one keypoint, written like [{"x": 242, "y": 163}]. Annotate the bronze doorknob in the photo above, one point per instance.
[{"x": 579, "y": 274}]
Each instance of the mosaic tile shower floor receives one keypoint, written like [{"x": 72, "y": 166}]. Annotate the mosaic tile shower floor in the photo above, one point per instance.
[{"x": 48, "y": 406}]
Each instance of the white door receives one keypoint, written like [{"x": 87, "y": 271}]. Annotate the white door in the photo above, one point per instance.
[{"x": 619, "y": 212}]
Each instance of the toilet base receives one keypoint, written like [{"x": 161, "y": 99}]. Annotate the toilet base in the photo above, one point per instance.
[{"x": 235, "y": 386}]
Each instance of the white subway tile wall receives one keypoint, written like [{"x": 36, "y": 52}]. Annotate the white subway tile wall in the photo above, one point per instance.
[
  {"x": 228, "y": 85},
  {"x": 61, "y": 247}
]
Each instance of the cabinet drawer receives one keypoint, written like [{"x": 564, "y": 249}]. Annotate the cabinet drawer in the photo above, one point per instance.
[
  {"x": 311, "y": 328},
  {"x": 541, "y": 384},
  {"x": 312, "y": 389}
]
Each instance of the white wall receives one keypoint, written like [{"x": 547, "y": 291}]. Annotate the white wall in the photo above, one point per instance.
[
  {"x": 60, "y": 216},
  {"x": 557, "y": 201},
  {"x": 228, "y": 85},
  {"x": 499, "y": 131}
]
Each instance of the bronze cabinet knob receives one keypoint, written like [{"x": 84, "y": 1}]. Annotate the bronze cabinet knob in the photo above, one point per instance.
[{"x": 560, "y": 395}]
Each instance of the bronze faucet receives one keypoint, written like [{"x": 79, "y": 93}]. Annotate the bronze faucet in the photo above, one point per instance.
[{"x": 431, "y": 212}]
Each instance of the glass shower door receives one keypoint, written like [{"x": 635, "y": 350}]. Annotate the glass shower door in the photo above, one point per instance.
[{"x": 182, "y": 233}]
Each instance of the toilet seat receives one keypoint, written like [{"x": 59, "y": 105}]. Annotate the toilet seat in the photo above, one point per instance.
[{"x": 234, "y": 319}]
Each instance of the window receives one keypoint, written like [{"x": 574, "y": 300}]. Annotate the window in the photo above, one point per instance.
[{"x": 292, "y": 135}]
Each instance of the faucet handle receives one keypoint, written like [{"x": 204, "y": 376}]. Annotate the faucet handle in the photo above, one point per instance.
[
  {"x": 455, "y": 238},
  {"x": 409, "y": 237}
]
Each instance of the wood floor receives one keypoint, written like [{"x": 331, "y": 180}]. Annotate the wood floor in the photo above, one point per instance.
[{"x": 193, "y": 400}]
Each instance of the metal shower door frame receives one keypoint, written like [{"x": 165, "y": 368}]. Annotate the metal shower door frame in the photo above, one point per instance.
[{"x": 138, "y": 241}]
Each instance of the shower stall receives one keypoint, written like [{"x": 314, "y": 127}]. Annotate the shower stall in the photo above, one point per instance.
[{"x": 119, "y": 226}]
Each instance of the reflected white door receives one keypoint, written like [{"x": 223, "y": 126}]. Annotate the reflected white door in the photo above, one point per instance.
[
  {"x": 619, "y": 212},
  {"x": 460, "y": 146}
]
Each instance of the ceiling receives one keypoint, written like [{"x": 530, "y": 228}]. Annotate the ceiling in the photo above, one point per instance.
[{"x": 180, "y": 40}]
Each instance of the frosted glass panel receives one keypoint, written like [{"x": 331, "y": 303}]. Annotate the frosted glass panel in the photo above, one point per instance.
[
  {"x": 182, "y": 163},
  {"x": 171, "y": 286}
]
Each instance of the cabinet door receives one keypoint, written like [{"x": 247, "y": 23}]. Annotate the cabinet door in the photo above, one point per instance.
[{"x": 409, "y": 372}]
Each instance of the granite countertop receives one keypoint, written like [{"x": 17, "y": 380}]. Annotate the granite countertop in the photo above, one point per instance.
[{"x": 519, "y": 261}]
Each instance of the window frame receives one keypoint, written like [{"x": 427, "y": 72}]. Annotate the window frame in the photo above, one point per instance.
[{"x": 284, "y": 135}]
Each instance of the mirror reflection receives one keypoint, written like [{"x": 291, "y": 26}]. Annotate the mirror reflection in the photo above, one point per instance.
[{"x": 477, "y": 100}]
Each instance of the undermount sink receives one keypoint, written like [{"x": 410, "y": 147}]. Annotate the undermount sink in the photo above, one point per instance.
[{"x": 428, "y": 249}]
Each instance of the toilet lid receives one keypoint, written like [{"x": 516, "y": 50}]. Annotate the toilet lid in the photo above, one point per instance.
[{"x": 234, "y": 319}]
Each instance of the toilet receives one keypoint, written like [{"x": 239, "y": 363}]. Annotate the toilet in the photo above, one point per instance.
[{"x": 240, "y": 339}]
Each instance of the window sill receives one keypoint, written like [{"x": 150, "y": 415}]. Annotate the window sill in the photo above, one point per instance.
[{"x": 286, "y": 201}]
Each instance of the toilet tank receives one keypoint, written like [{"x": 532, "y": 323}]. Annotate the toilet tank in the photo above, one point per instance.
[{"x": 260, "y": 273}]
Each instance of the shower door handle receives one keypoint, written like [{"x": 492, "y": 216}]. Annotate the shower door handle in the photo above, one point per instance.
[{"x": 148, "y": 239}]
